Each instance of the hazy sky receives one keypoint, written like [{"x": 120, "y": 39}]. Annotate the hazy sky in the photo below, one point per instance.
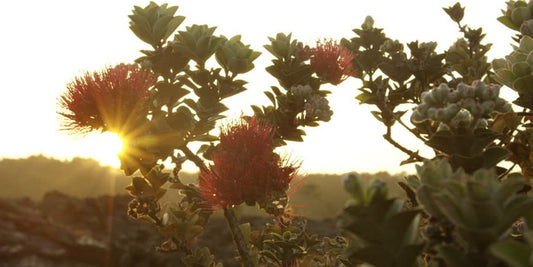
[{"x": 45, "y": 44}]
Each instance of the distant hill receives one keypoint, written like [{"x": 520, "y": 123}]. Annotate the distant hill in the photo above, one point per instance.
[
  {"x": 320, "y": 196},
  {"x": 34, "y": 176}
]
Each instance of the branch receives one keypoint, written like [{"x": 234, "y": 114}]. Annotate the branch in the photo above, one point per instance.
[
  {"x": 412, "y": 154},
  {"x": 236, "y": 233},
  {"x": 409, "y": 129},
  {"x": 193, "y": 157}
]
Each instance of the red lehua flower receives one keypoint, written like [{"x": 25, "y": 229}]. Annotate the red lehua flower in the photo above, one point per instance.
[
  {"x": 245, "y": 168},
  {"x": 110, "y": 100},
  {"x": 332, "y": 62}
]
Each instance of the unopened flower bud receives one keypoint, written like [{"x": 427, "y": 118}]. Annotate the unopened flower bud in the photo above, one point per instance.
[
  {"x": 450, "y": 112},
  {"x": 469, "y": 92},
  {"x": 461, "y": 89},
  {"x": 418, "y": 117},
  {"x": 477, "y": 110},
  {"x": 443, "y": 127},
  {"x": 324, "y": 115},
  {"x": 453, "y": 96},
  {"x": 440, "y": 115},
  {"x": 440, "y": 94},
  {"x": 491, "y": 93},
  {"x": 479, "y": 88},
  {"x": 481, "y": 124},
  {"x": 426, "y": 98},
  {"x": 463, "y": 116},
  {"x": 488, "y": 106},
  {"x": 432, "y": 113},
  {"x": 422, "y": 108},
  {"x": 468, "y": 103},
  {"x": 501, "y": 105},
  {"x": 462, "y": 119},
  {"x": 301, "y": 90}
]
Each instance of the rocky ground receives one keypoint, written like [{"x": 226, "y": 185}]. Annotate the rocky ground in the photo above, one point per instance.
[{"x": 65, "y": 231}]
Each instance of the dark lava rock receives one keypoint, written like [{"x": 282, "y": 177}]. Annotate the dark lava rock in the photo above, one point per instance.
[{"x": 67, "y": 231}]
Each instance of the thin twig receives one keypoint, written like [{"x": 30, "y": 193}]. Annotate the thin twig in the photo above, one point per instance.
[
  {"x": 417, "y": 135},
  {"x": 193, "y": 157},
  {"x": 412, "y": 154},
  {"x": 238, "y": 237},
  {"x": 507, "y": 171}
]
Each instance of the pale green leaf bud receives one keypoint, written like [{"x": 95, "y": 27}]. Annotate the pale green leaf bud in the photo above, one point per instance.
[
  {"x": 368, "y": 24},
  {"x": 377, "y": 191},
  {"x": 352, "y": 184}
]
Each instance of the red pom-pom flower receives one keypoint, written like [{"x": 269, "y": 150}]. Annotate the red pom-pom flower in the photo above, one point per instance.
[
  {"x": 245, "y": 168},
  {"x": 332, "y": 62},
  {"x": 111, "y": 100}
]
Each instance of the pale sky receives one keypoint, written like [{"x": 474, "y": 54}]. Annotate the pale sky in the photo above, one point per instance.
[{"x": 45, "y": 44}]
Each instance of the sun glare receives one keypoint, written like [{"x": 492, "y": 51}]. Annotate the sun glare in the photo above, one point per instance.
[{"x": 109, "y": 145}]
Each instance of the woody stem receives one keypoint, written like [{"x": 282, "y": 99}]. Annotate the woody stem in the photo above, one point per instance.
[
  {"x": 238, "y": 237},
  {"x": 193, "y": 157}
]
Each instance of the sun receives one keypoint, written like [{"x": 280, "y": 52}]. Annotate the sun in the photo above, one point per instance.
[{"x": 105, "y": 147}]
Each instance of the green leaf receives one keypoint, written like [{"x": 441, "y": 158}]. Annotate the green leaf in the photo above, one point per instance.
[
  {"x": 520, "y": 14},
  {"x": 401, "y": 230},
  {"x": 141, "y": 187},
  {"x": 408, "y": 255},
  {"x": 507, "y": 22},
  {"x": 191, "y": 103},
  {"x": 456, "y": 12},
  {"x": 366, "y": 98},
  {"x": 276, "y": 90},
  {"x": 271, "y": 97},
  {"x": 172, "y": 26},
  {"x": 513, "y": 253},
  {"x": 160, "y": 28},
  {"x": 257, "y": 110},
  {"x": 443, "y": 141},
  {"x": 246, "y": 231},
  {"x": 520, "y": 69},
  {"x": 452, "y": 257},
  {"x": 526, "y": 44},
  {"x": 377, "y": 115},
  {"x": 374, "y": 255},
  {"x": 523, "y": 84},
  {"x": 493, "y": 155},
  {"x": 504, "y": 77}
]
